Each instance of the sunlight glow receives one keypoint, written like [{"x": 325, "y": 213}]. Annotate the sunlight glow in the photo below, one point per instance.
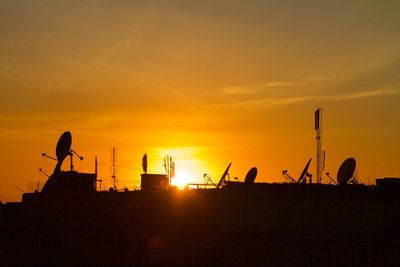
[{"x": 181, "y": 179}]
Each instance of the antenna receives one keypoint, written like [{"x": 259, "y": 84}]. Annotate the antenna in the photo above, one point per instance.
[
  {"x": 169, "y": 166},
  {"x": 95, "y": 165},
  {"x": 95, "y": 171},
  {"x": 318, "y": 130},
  {"x": 113, "y": 167}
]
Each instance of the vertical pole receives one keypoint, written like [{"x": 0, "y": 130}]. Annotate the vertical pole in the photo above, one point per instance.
[
  {"x": 114, "y": 169},
  {"x": 318, "y": 129},
  {"x": 95, "y": 172},
  {"x": 321, "y": 168},
  {"x": 95, "y": 165}
]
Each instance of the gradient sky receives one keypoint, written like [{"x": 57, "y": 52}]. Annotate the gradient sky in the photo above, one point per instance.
[{"x": 207, "y": 82}]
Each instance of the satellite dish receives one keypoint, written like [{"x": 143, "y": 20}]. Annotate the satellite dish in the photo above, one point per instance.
[
  {"x": 304, "y": 172},
  {"x": 63, "y": 148},
  {"x": 251, "y": 176},
  {"x": 346, "y": 171},
  {"x": 223, "y": 176}
]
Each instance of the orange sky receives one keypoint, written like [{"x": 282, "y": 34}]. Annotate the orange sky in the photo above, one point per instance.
[{"x": 208, "y": 82}]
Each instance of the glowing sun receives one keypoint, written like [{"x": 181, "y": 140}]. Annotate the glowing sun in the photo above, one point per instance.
[{"x": 181, "y": 179}]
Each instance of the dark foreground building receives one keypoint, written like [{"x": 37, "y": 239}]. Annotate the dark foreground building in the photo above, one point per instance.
[{"x": 238, "y": 225}]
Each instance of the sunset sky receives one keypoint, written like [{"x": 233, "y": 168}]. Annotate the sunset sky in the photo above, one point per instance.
[{"x": 207, "y": 82}]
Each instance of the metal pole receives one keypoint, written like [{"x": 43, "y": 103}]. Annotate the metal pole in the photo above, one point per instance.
[{"x": 318, "y": 129}]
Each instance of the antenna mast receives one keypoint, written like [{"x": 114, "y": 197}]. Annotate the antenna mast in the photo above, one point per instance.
[
  {"x": 318, "y": 130},
  {"x": 169, "y": 166},
  {"x": 113, "y": 167}
]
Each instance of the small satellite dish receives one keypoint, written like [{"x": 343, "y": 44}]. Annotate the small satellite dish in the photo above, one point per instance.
[
  {"x": 346, "y": 171},
  {"x": 304, "y": 172},
  {"x": 251, "y": 176},
  {"x": 64, "y": 146},
  {"x": 222, "y": 180}
]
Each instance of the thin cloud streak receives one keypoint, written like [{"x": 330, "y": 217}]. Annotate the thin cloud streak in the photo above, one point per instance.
[
  {"x": 364, "y": 131},
  {"x": 270, "y": 86},
  {"x": 363, "y": 94},
  {"x": 256, "y": 88},
  {"x": 266, "y": 102},
  {"x": 286, "y": 101}
]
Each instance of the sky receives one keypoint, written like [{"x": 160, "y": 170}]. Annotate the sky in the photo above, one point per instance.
[{"x": 206, "y": 82}]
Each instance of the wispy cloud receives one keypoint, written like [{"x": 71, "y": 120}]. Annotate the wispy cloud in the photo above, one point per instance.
[
  {"x": 365, "y": 131},
  {"x": 286, "y": 101},
  {"x": 266, "y": 102},
  {"x": 362, "y": 94},
  {"x": 256, "y": 88},
  {"x": 266, "y": 87}
]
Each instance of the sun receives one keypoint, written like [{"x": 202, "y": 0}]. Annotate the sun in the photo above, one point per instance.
[{"x": 181, "y": 179}]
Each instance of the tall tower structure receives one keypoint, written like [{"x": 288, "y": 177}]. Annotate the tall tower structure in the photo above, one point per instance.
[{"x": 319, "y": 156}]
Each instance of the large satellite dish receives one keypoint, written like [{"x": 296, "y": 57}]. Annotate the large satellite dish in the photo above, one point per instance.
[
  {"x": 63, "y": 148},
  {"x": 346, "y": 171},
  {"x": 304, "y": 172},
  {"x": 251, "y": 176}
]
